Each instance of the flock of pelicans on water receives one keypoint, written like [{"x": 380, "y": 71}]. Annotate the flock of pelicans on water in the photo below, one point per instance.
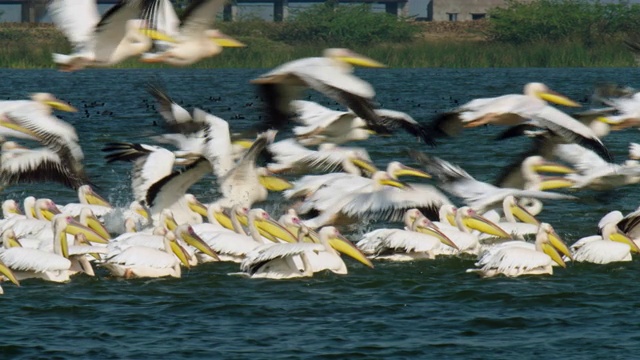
[{"x": 166, "y": 228}]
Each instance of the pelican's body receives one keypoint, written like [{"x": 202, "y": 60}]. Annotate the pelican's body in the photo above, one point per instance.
[{"x": 611, "y": 246}]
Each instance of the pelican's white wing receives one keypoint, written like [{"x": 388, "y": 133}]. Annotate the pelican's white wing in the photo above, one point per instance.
[
  {"x": 77, "y": 19},
  {"x": 228, "y": 243},
  {"x": 264, "y": 254},
  {"x": 144, "y": 256},
  {"x": 315, "y": 115},
  {"x": 112, "y": 28},
  {"x": 199, "y": 16},
  {"x": 408, "y": 241},
  {"x": 602, "y": 252},
  {"x": 25, "y": 259},
  {"x": 515, "y": 261}
]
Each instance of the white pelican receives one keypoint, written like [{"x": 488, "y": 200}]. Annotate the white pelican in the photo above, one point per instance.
[
  {"x": 422, "y": 240},
  {"x": 516, "y": 260},
  {"x": 38, "y": 226},
  {"x": 143, "y": 261},
  {"x": 612, "y": 246},
  {"x": 101, "y": 41},
  {"x": 194, "y": 40},
  {"x": 596, "y": 173},
  {"x": 33, "y": 263},
  {"x": 334, "y": 244},
  {"x": 529, "y": 108},
  {"x": 89, "y": 199},
  {"x": 323, "y": 125},
  {"x": 331, "y": 75},
  {"x": 513, "y": 212},
  {"x": 291, "y": 158},
  {"x": 479, "y": 195}
]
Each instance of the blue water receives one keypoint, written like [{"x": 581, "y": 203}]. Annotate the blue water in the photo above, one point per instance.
[{"x": 427, "y": 309}]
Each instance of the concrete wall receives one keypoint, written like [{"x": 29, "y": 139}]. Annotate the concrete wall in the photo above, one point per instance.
[{"x": 462, "y": 10}]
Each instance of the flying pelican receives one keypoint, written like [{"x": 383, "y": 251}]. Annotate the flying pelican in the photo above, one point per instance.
[
  {"x": 479, "y": 195},
  {"x": 32, "y": 263},
  {"x": 422, "y": 240},
  {"x": 102, "y": 41},
  {"x": 596, "y": 173},
  {"x": 612, "y": 246},
  {"x": 516, "y": 260},
  {"x": 331, "y": 75},
  {"x": 323, "y": 125},
  {"x": 144, "y": 261},
  {"x": 194, "y": 40},
  {"x": 514, "y": 109}
]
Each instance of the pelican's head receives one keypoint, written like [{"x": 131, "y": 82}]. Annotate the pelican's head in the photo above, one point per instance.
[
  {"x": 540, "y": 164},
  {"x": 195, "y": 205},
  {"x": 186, "y": 233},
  {"x": 473, "y": 220},
  {"x": 541, "y": 91},
  {"x": 139, "y": 209},
  {"x": 272, "y": 182},
  {"x": 53, "y": 102},
  {"x": 167, "y": 220},
  {"x": 88, "y": 196},
  {"x": 425, "y": 226},
  {"x": 350, "y": 57},
  {"x": 383, "y": 178},
  {"x": 46, "y": 209},
  {"x": 611, "y": 231},
  {"x": 88, "y": 218},
  {"x": 548, "y": 241},
  {"x": 221, "y": 39},
  {"x": 264, "y": 223},
  {"x": 9, "y": 239},
  {"x": 510, "y": 204},
  {"x": 343, "y": 245},
  {"x": 181, "y": 253},
  {"x": 10, "y": 208},
  {"x": 291, "y": 221},
  {"x": 397, "y": 169},
  {"x": 412, "y": 215}
]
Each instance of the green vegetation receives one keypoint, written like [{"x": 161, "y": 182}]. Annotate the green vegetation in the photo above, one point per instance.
[{"x": 544, "y": 33}]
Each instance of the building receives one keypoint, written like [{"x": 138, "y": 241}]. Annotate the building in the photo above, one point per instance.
[{"x": 462, "y": 10}]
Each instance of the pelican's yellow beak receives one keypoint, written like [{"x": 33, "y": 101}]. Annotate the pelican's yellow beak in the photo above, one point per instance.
[
  {"x": 198, "y": 208},
  {"x": 170, "y": 223},
  {"x": 7, "y": 123},
  {"x": 243, "y": 143},
  {"x": 156, "y": 35},
  {"x": 94, "y": 224},
  {"x": 552, "y": 183},
  {"x": 275, "y": 229},
  {"x": 50, "y": 211},
  {"x": 4, "y": 270},
  {"x": 80, "y": 239},
  {"x": 14, "y": 242},
  {"x": 194, "y": 240},
  {"x": 227, "y": 41},
  {"x": 557, "y": 243},
  {"x": 74, "y": 228},
  {"x": 94, "y": 199},
  {"x": 360, "y": 60},
  {"x": 523, "y": 215},
  {"x": 482, "y": 224},
  {"x": 556, "y": 98},
  {"x": 622, "y": 238},
  {"x": 61, "y": 105},
  {"x": 33, "y": 212},
  {"x": 180, "y": 252},
  {"x": 364, "y": 165},
  {"x": 142, "y": 212},
  {"x": 409, "y": 171},
  {"x": 552, "y": 167},
  {"x": 394, "y": 183},
  {"x": 274, "y": 183},
  {"x": 435, "y": 232},
  {"x": 553, "y": 254},
  {"x": 451, "y": 218},
  {"x": 344, "y": 246}
]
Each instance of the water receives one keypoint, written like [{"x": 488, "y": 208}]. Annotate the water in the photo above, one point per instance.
[{"x": 428, "y": 309}]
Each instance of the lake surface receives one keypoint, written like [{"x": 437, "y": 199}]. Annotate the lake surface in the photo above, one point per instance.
[{"x": 427, "y": 309}]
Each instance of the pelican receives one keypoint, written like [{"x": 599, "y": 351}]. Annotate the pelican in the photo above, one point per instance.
[
  {"x": 479, "y": 195},
  {"x": 531, "y": 108},
  {"x": 323, "y": 125},
  {"x": 193, "y": 38},
  {"x": 143, "y": 261},
  {"x": 331, "y": 75},
  {"x": 513, "y": 212},
  {"x": 516, "y": 260},
  {"x": 292, "y": 158},
  {"x": 422, "y": 240},
  {"x": 101, "y": 41},
  {"x": 277, "y": 261},
  {"x": 333, "y": 243},
  {"x": 89, "y": 199},
  {"x": 611, "y": 246},
  {"x": 597, "y": 173},
  {"x": 32, "y": 263}
]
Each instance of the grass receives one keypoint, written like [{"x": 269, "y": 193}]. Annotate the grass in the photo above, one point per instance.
[{"x": 30, "y": 47}]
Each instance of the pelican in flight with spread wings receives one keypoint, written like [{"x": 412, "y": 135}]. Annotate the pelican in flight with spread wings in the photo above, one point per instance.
[
  {"x": 102, "y": 41},
  {"x": 516, "y": 109},
  {"x": 331, "y": 74},
  {"x": 194, "y": 40}
]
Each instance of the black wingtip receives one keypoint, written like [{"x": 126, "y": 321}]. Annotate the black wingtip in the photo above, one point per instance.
[
  {"x": 445, "y": 125},
  {"x": 515, "y": 131}
]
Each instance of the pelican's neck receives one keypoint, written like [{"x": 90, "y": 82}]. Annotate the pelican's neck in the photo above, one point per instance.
[
  {"x": 253, "y": 230},
  {"x": 350, "y": 168},
  {"x": 58, "y": 238},
  {"x": 531, "y": 178},
  {"x": 235, "y": 223},
  {"x": 308, "y": 270},
  {"x": 460, "y": 223},
  {"x": 508, "y": 214},
  {"x": 324, "y": 240},
  {"x": 541, "y": 238},
  {"x": 608, "y": 230}
]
